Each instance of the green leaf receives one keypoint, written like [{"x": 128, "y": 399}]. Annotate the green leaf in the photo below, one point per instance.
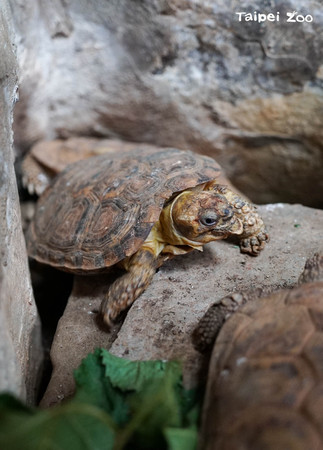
[
  {"x": 118, "y": 404},
  {"x": 8, "y": 401},
  {"x": 150, "y": 390},
  {"x": 73, "y": 426},
  {"x": 154, "y": 407},
  {"x": 181, "y": 438},
  {"x": 94, "y": 387},
  {"x": 136, "y": 375}
]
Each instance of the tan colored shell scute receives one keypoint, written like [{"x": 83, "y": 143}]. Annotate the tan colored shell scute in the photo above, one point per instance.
[{"x": 100, "y": 210}]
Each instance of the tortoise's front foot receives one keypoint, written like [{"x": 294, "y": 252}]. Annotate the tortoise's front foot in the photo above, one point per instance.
[
  {"x": 254, "y": 244},
  {"x": 254, "y": 236}
]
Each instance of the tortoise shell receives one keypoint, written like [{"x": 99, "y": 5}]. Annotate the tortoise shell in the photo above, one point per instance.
[
  {"x": 48, "y": 158},
  {"x": 265, "y": 382},
  {"x": 55, "y": 155},
  {"x": 100, "y": 210}
]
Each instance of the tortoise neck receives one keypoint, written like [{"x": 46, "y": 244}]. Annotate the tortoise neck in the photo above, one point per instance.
[{"x": 168, "y": 229}]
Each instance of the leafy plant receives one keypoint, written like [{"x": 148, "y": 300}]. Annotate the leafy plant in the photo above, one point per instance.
[{"x": 118, "y": 404}]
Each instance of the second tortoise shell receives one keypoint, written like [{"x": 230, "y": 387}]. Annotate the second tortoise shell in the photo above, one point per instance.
[{"x": 100, "y": 210}]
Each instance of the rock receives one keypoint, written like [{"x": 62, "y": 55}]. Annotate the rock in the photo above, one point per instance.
[
  {"x": 184, "y": 74},
  {"x": 20, "y": 344},
  {"x": 77, "y": 335},
  {"x": 160, "y": 322}
]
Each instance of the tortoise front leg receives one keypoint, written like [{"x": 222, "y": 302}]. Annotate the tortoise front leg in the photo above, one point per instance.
[
  {"x": 254, "y": 235},
  {"x": 123, "y": 292}
]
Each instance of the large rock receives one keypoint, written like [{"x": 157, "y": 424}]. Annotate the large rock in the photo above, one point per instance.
[
  {"x": 20, "y": 348},
  {"x": 184, "y": 73},
  {"x": 160, "y": 322}
]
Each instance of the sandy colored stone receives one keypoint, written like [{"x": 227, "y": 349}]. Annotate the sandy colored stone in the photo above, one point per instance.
[
  {"x": 160, "y": 322},
  {"x": 20, "y": 345}
]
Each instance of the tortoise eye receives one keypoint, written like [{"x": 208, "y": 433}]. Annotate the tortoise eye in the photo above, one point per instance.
[{"x": 209, "y": 219}]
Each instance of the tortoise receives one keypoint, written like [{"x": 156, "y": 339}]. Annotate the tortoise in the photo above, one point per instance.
[
  {"x": 265, "y": 379},
  {"x": 135, "y": 210},
  {"x": 48, "y": 158}
]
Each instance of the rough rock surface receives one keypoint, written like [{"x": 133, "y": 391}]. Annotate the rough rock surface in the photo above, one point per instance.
[
  {"x": 20, "y": 349},
  {"x": 160, "y": 323},
  {"x": 182, "y": 73}
]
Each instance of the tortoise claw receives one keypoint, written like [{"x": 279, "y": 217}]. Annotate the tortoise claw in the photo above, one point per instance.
[{"x": 254, "y": 244}]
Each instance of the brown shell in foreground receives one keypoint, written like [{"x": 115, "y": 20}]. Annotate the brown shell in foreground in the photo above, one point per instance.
[
  {"x": 100, "y": 210},
  {"x": 265, "y": 383}
]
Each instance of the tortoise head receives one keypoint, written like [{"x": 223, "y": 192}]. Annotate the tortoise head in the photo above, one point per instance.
[{"x": 204, "y": 216}]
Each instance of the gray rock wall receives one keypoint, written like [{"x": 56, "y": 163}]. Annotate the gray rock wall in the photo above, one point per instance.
[
  {"x": 184, "y": 73},
  {"x": 20, "y": 349}
]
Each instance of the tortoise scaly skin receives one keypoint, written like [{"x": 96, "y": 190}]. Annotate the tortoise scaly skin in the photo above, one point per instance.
[
  {"x": 136, "y": 210},
  {"x": 265, "y": 380}
]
